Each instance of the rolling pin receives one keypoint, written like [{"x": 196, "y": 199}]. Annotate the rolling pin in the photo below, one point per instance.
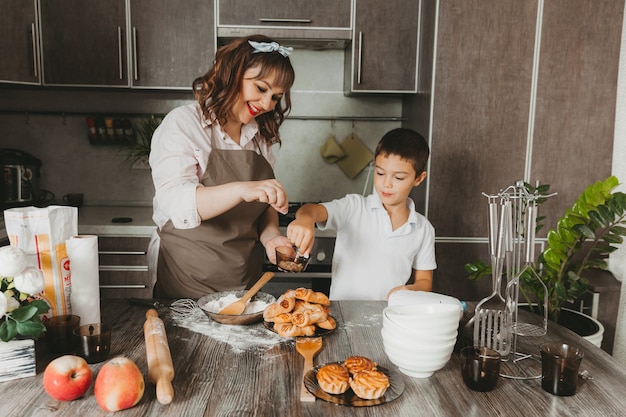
[{"x": 160, "y": 368}]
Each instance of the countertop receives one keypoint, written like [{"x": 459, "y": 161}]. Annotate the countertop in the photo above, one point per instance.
[
  {"x": 223, "y": 370},
  {"x": 98, "y": 220}
]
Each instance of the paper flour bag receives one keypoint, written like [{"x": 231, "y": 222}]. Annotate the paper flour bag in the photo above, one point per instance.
[{"x": 41, "y": 233}]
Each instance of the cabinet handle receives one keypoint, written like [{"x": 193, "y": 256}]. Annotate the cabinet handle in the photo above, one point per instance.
[
  {"x": 278, "y": 20},
  {"x": 121, "y": 252},
  {"x": 119, "y": 50},
  {"x": 123, "y": 287},
  {"x": 135, "y": 71},
  {"x": 360, "y": 57},
  {"x": 33, "y": 34},
  {"x": 123, "y": 268}
]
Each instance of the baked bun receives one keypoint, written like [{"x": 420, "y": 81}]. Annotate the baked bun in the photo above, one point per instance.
[
  {"x": 307, "y": 294},
  {"x": 328, "y": 324},
  {"x": 356, "y": 364},
  {"x": 333, "y": 378},
  {"x": 369, "y": 385},
  {"x": 291, "y": 330}
]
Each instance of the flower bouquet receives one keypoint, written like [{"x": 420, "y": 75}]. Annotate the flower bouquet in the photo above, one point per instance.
[
  {"x": 19, "y": 309},
  {"x": 19, "y": 313}
]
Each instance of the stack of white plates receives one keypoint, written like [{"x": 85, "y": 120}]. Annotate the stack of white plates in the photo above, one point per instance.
[{"x": 419, "y": 339}]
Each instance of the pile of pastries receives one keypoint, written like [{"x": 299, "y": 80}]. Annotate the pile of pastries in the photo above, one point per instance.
[
  {"x": 356, "y": 372},
  {"x": 300, "y": 312}
]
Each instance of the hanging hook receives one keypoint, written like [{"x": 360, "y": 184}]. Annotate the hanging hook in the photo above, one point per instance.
[
  {"x": 63, "y": 118},
  {"x": 27, "y": 118}
]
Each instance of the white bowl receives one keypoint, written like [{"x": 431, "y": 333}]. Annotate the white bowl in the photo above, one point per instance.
[
  {"x": 424, "y": 330},
  {"x": 416, "y": 342},
  {"x": 422, "y": 357},
  {"x": 419, "y": 369},
  {"x": 424, "y": 316},
  {"x": 421, "y": 327},
  {"x": 410, "y": 297}
]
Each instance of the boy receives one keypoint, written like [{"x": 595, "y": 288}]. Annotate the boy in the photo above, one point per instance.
[{"x": 382, "y": 242}]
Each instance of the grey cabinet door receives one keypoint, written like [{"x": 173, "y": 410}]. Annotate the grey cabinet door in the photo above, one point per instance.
[
  {"x": 313, "y": 13},
  {"x": 84, "y": 43},
  {"x": 172, "y": 42},
  {"x": 383, "y": 57},
  {"x": 19, "y": 42}
]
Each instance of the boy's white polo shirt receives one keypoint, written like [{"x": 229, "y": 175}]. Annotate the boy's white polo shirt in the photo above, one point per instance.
[{"x": 370, "y": 258}]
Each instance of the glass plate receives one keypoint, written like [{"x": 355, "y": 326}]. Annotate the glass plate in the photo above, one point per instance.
[
  {"x": 318, "y": 331},
  {"x": 349, "y": 398}
]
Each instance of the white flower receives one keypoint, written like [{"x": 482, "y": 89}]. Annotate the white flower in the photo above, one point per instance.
[
  {"x": 12, "y": 303},
  {"x": 30, "y": 281},
  {"x": 12, "y": 261},
  {"x": 3, "y": 305}
]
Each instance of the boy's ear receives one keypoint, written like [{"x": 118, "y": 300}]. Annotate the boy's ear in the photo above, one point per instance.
[{"x": 418, "y": 180}]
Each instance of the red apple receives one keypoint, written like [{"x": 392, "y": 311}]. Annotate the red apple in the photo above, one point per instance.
[
  {"x": 67, "y": 378},
  {"x": 119, "y": 384}
]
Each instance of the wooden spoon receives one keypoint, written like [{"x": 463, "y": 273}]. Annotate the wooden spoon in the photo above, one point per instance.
[
  {"x": 239, "y": 306},
  {"x": 308, "y": 347}
]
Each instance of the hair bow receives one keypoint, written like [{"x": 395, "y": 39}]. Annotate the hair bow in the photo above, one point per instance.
[{"x": 270, "y": 47}]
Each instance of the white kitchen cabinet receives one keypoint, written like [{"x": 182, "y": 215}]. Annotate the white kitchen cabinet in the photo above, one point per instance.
[
  {"x": 123, "y": 267},
  {"x": 385, "y": 47},
  {"x": 152, "y": 44},
  {"x": 19, "y": 42}
]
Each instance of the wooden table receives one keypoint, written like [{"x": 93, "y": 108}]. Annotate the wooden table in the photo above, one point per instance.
[{"x": 215, "y": 379}]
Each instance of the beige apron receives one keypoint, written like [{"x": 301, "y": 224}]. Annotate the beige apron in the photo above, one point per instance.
[{"x": 223, "y": 253}]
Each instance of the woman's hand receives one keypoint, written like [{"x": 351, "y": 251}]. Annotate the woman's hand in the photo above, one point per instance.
[
  {"x": 271, "y": 244},
  {"x": 267, "y": 191}
]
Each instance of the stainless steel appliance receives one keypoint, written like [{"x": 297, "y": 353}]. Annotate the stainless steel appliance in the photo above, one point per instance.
[
  {"x": 318, "y": 272},
  {"x": 21, "y": 174}
]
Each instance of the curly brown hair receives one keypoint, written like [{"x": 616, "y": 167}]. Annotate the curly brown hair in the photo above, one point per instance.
[{"x": 218, "y": 89}]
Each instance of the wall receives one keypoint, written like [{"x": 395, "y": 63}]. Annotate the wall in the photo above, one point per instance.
[
  {"x": 50, "y": 124},
  {"x": 519, "y": 91}
]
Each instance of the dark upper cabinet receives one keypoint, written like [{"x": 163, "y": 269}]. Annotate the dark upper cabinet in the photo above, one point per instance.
[
  {"x": 384, "y": 50},
  {"x": 297, "y": 13},
  {"x": 84, "y": 43},
  {"x": 19, "y": 42},
  {"x": 160, "y": 44},
  {"x": 172, "y": 42}
]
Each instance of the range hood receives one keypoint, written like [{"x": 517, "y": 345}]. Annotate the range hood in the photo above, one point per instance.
[{"x": 309, "y": 38}]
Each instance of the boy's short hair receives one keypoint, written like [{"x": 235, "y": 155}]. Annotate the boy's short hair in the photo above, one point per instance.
[{"x": 408, "y": 145}]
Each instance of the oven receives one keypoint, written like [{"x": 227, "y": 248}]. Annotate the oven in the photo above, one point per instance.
[{"x": 317, "y": 274}]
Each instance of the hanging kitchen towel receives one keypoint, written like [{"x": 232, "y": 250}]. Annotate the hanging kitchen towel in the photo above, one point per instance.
[
  {"x": 41, "y": 233},
  {"x": 357, "y": 156},
  {"x": 331, "y": 151},
  {"x": 85, "y": 296}
]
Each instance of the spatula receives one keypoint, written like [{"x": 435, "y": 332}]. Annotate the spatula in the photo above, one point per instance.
[
  {"x": 239, "y": 306},
  {"x": 308, "y": 347}
]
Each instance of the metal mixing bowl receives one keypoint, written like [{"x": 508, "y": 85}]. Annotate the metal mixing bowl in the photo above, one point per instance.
[{"x": 232, "y": 319}]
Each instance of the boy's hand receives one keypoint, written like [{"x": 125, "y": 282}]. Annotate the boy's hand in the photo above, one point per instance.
[{"x": 302, "y": 234}]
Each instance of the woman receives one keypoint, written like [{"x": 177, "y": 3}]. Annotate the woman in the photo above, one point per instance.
[{"x": 216, "y": 199}]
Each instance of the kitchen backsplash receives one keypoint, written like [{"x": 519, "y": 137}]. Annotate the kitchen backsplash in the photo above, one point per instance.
[{"x": 104, "y": 175}]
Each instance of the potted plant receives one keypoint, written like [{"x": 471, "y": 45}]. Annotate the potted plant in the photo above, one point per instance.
[
  {"x": 140, "y": 150},
  {"x": 583, "y": 238}
]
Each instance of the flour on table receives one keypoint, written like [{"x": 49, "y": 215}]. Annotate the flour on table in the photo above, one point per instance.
[
  {"x": 216, "y": 306},
  {"x": 240, "y": 337}
]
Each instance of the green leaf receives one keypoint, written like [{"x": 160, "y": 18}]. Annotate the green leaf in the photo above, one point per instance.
[
  {"x": 606, "y": 214},
  {"x": 8, "y": 330},
  {"x": 613, "y": 239},
  {"x": 30, "y": 328},
  {"x": 585, "y": 231},
  {"x": 597, "y": 220},
  {"x": 41, "y": 305},
  {"x": 24, "y": 313}
]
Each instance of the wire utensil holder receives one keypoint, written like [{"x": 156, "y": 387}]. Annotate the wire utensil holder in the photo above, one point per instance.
[{"x": 519, "y": 252}]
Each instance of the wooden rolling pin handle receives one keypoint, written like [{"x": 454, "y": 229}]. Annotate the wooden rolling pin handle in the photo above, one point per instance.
[{"x": 160, "y": 368}]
